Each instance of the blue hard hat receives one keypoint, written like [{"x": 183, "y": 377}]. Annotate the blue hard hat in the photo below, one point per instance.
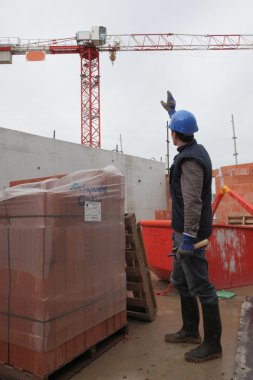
[{"x": 183, "y": 122}]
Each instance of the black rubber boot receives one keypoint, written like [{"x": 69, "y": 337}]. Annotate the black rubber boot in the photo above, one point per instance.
[
  {"x": 189, "y": 332},
  {"x": 210, "y": 348}
]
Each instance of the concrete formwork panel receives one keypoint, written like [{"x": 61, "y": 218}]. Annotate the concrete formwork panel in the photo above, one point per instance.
[{"x": 23, "y": 156}]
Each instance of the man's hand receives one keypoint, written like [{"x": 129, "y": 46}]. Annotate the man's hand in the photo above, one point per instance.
[
  {"x": 170, "y": 105},
  {"x": 186, "y": 248}
]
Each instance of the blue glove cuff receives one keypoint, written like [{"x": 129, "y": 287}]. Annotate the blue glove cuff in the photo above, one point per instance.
[
  {"x": 171, "y": 112},
  {"x": 189, "y": 238},
  {"x": 188, "y": 242}
]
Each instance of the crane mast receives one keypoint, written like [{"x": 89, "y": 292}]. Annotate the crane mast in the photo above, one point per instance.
[
  {"x": 90, "y": 98},
  {"x": 89, "y": 45}
]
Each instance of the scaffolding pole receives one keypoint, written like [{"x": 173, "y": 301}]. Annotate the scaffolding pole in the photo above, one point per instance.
[
  {"x": 234, "y": 138},
  {"x": 168, "y": 148}
]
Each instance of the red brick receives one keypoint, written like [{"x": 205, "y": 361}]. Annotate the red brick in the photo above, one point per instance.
[
  {"x": 243, "y": 188},
  {"x": 241, "y": 169},
  {"x": 3, "y": 338},
  {"x": 162, "y": 214},
  {"x": 4, "y": 270},
  {"x": 245, "y": 178},
  {"x": 215, "y": 172}
]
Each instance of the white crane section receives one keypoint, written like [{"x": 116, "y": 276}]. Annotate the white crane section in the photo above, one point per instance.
[{"x": 135, "y": 42}]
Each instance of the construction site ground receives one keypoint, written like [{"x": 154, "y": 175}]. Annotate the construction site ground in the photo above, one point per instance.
[{"x": 144, "y": 355}]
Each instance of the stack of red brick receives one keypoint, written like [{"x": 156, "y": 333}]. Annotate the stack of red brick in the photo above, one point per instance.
[
  {"x": 238, "y": 178},
  {"x": 62, "y": 268}
]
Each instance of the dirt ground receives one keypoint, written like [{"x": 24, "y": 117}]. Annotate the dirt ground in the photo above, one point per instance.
[{"x": 146, "y": 356}]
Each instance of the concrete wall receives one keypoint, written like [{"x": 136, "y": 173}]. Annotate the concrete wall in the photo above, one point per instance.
[{"x": 23, "y": 156}]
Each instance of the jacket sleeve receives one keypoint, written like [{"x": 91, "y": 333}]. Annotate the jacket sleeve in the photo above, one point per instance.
[{"x": 191, "y": 185}]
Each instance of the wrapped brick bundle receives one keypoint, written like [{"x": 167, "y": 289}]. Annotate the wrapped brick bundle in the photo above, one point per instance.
[{"x": 62, "y": 268}]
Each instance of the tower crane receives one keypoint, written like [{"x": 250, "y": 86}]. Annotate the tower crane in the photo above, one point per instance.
[{"x": 89, "y": 44}]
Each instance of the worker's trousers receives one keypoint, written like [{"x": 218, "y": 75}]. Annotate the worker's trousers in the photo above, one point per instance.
[{"x": 190, "y": 275}]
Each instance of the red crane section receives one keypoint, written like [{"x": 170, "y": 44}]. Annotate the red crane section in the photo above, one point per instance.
[
  {"x": 89, "y": 44},
  {"x": 90, "y": 98}
]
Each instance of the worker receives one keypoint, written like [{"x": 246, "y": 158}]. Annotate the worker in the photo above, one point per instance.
[{"x": 190, "y": 189}]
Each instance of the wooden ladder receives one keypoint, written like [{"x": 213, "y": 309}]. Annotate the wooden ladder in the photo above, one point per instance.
[{"x": 141, "y": 302}]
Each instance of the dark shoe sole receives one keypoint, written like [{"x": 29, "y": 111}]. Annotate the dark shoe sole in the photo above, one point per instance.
[
  {"x": 200, "y": 360},
  {"x": 184, "y": 340}
]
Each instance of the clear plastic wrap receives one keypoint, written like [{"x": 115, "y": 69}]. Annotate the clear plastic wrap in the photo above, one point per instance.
[{"x": 62, "y": 260}]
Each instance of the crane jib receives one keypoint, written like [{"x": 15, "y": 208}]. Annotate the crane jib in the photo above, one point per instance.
[{"x": 89, "y": 44}]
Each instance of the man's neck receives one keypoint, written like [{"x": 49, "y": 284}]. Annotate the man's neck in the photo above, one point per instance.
[{"x": 180, "y": 143}]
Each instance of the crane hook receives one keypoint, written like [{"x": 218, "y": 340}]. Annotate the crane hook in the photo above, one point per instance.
[{"x": 112, "y": 55}]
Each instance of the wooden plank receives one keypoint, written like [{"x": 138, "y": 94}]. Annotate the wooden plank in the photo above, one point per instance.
[
  {"x": 137, "y": 315},
  {"x": 133, "y": 272},
  {"x": 137, "y": 271},
  {"x": 248, "y": 220},
  {"x": 136, "y": 302},
  {"x": 129, "y": 219},
  {"x": 130, "y": 240},
  {"x": 131, "y": 263},
  {"x": 240, "y": 219},
  {"x": 235, "y": 219},
  {"x": 131, "y": 255},
  {"x": 131, "y": 259},
  {"x": 149, "y": 281},
  {"x": 135, "y": 286}
]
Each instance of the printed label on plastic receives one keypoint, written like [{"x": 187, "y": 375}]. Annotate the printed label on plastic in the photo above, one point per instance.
[{"x": 92, "y": 211}]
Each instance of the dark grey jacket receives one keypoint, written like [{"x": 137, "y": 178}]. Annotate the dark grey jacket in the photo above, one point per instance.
[{"x": 190, "y": 188}]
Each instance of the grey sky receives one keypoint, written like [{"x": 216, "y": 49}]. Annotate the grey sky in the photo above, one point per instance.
[{"x": 45, "y": 96}]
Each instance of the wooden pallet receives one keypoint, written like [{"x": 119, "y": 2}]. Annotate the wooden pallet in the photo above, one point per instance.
[
  {"x": 70, "y": 369},
  {"x": 141, "y": 302},
  {"x": 242, "y": 220}
]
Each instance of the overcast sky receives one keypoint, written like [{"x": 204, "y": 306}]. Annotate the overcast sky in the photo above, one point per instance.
[{"x": 41, "y": 97}]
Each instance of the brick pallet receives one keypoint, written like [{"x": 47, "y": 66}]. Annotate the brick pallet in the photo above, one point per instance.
[
  {"x": 74, "y": 366},
  {"x": 62, "y": 268}
]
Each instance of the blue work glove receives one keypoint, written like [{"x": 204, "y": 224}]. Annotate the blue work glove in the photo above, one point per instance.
[
  {"x": 170, "y": 106},
  {"x": 186, "y": 248}
]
